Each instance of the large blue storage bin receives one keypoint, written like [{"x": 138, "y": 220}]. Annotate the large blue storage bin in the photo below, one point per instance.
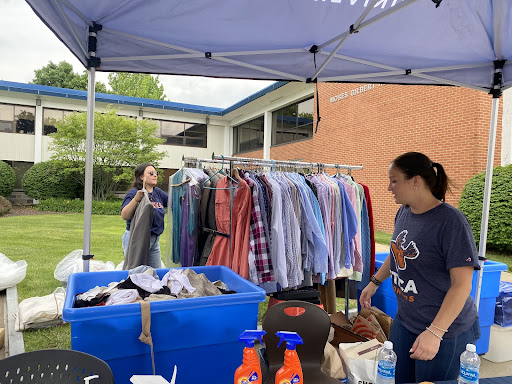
[
  {"x": 199, "y": 335},
  {"x": 385, "y": 298}
]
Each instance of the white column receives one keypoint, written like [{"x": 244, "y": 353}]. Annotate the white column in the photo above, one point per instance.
[
  {"x": 228, "y": 140},
  {"x": 506, "y": 135},
  {"x": 38, "y": 132},
  {"x": 267, "y": 134}
]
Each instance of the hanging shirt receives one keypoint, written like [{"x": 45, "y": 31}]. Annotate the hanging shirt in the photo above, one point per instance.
[
  {"x": 258, "y": 241},
  {"x": 277, "y": 251}
]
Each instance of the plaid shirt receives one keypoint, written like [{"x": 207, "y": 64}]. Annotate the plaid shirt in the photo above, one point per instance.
[{"x": 258, "y": 238}]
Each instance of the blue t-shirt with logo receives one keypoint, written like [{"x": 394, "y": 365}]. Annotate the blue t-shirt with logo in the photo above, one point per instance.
[
  {"x": 159, "y": 200},
  {"x": 423, "y": 249}
]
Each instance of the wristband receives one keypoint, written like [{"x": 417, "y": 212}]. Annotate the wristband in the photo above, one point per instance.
[{"x": 375, "y": 281}]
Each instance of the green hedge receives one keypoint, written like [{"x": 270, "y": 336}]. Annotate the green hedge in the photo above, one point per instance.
[
  {"x": 5, "y": 206},
  {"x": 51, "y": 179},
  {"x": 499, "y": 235},
  {"x": 108, "y": 207},
  {"x": 7, "y": 179}
]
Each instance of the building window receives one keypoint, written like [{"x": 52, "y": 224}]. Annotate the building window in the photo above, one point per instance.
[
  {"x": 51, "y": 117},
  {"x": 248, "y": 136},
  {"x": 25, "y": 119},
  {"x": 293, "y": 122},
  {"x": 17, "y": 118},
  {"x": 184, "y": 134}
]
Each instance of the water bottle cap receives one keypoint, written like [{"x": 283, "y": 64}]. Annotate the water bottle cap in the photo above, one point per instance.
[
  {"x": 471, "y": 347},
  {"x": 388, "y": 344}
]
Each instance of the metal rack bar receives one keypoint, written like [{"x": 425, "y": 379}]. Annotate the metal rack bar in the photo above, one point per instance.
[{"x": 285, "y": 162}]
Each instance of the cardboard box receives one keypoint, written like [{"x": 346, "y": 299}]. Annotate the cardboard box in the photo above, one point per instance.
[
  {"x": 342, "y": 330},
  {"x": 2, "y": 337}
]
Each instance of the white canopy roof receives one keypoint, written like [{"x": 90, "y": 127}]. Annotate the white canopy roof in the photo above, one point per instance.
[{"x": 393, "y": 41}]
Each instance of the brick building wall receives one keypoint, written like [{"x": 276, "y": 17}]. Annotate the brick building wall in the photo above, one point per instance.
[{"x": 372, "y": 125}]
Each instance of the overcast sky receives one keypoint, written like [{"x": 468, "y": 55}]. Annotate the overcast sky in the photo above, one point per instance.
[{"x": 27, "y": 44}]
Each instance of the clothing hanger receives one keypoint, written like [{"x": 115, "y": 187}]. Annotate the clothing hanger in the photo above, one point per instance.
[{"x": 222, "y": 172}]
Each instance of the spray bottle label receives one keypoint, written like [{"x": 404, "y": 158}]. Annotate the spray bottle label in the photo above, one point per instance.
[
  {"x": 247, "y": 380},
  {"x": 295, "y": 379}
]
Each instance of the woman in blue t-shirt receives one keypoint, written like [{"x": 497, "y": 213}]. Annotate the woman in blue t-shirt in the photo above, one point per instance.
[
  {"x": 431, "y": 262},
  {"x": 158, "y": 199}
]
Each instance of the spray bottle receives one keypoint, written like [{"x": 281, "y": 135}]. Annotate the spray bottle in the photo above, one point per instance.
[
  {"x": 291, "y": 371},
  {"x": 250, "y": 371}
]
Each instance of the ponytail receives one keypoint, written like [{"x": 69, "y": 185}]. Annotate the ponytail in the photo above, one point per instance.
[{"x": 441, "y": 184}]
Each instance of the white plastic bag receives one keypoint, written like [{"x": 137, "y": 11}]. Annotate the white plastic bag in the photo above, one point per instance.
[
  {"x": 11, "y": 273},
  {"x": 73, "y": 263},
  {"x": 40, "y": 312},
  {"x": 360, "y": 361}
]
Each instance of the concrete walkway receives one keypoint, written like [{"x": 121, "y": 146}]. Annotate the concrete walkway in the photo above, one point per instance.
[{"x": 487, "y": 368}]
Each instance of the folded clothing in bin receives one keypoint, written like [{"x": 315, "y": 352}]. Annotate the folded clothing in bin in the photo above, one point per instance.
[{"x": 503, "y": 309}]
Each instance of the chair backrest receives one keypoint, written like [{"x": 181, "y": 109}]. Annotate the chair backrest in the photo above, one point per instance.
[
  {"x": 52, "y": 366},
  {"x": 312, "y": 324}
]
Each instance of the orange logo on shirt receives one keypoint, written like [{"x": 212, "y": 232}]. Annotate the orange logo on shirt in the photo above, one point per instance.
[
  {"x": 401, "y": 253},
  {"x": 157, "y": 204}
]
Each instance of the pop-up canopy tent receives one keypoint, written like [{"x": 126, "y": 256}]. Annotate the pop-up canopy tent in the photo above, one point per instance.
[{"x": 436, "y": 42}]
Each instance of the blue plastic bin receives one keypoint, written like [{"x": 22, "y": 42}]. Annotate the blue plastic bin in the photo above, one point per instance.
[
  {"x": 385, "y": 298},
  {"x": 199, "y": 335}
]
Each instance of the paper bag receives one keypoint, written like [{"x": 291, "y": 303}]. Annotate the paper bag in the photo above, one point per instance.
[
  {"x": 360, "y": 361},
  {"x": 384, "y": 319},
  {"x": 369, "y": 327}
]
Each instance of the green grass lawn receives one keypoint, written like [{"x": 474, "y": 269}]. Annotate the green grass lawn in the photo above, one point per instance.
[{"x": 44, "y": 240}]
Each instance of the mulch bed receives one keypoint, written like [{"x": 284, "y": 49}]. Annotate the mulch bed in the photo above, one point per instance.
[{"x": 25, "y": 210}]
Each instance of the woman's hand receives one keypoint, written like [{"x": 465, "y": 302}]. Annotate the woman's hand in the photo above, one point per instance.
[
  {"x": 139, "y": 195},
  {"x": 366, "y": 296},
  {"x": 425, "y": 346}
]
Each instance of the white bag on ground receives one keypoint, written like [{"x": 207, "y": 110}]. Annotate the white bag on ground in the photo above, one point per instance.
[
  {"x": 360, "y": 361},
  {"x": 11, "y": 273},
  {"x": 40, "y": 312},
  {"x": 73, "y": 263}
]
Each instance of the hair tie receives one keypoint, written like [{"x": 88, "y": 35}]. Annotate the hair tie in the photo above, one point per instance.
[{"x": 434, "y": 165}]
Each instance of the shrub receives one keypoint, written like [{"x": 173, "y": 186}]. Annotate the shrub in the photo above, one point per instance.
[
  {"x": 5, "y": 206},
  {"x": 499, "y": 235},
  {"x": 103, "y": 207},
  {"x": 51, "y": 179},
  {"x": 7, "y": 179}
]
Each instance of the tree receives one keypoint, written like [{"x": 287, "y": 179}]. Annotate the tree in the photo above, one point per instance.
[
  {"x": 120, "y": 143},
  {"x": 62, "y": 76},
  {"x": 136, "y": 85}
]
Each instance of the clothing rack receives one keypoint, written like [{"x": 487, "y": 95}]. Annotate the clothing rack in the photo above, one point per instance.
[{"x": 272, "y": 163}]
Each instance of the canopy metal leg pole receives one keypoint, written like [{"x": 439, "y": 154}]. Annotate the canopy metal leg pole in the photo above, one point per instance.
[
  {"x": 89, "y": 140},
  {"x": 487, "y": 197}
]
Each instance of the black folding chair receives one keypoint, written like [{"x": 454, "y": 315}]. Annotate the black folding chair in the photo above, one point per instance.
[
  {"x": 52, "y": 366},
  {"x": 312, "y": 324}
]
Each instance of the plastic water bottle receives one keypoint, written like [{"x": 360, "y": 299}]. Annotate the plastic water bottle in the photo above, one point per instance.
[
  {"x": 386, "y": 365},
  {"x": 469, "y": 365}
]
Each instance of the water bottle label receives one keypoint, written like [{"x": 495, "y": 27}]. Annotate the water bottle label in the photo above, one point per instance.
[
  {"x": 386, "y": 372},
  {"x": 469, "y": 374}
]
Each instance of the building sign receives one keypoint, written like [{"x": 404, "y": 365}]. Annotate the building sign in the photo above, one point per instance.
[{"x": 354, "y": 92}]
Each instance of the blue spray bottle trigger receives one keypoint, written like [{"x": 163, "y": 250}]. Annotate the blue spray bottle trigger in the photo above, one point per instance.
[
  {"x": 248, "y": 337},
  {"x": 291, "y": 338}
]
